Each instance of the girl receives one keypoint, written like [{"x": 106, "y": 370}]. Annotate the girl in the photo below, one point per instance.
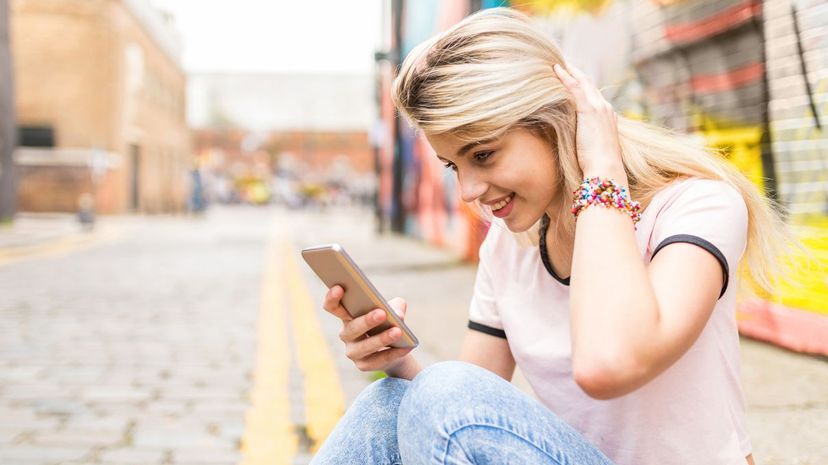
[{"x": 608, "y": 275}]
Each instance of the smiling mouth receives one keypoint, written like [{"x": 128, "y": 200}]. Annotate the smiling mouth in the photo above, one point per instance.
[{"x": 501, "y": 206}]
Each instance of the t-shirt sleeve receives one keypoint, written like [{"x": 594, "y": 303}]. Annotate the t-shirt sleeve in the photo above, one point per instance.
[
  {"x": 709, "y": 214},
  {"x": 483, "y": 312}
]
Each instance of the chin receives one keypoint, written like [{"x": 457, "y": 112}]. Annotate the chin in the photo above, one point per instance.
[{"x": 516, "y": 225}]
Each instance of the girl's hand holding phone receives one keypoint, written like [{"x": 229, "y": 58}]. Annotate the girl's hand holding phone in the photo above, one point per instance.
[{"x": 372, "y": 353}]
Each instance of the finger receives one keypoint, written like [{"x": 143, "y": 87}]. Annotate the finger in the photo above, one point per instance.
[
  {"x": 574, "y": 86},
  {"x": 364, "y": 348},
  {"x": 333, "y": 303},
  {"x": 595, "y": 97},
  {"x": 565, "y": 77},
  {"x": 355, "y": 329},
  {"x": 585, "y": 82},
  {"x": 380, "y": 360},
  {"x": 399, "y": 305}
]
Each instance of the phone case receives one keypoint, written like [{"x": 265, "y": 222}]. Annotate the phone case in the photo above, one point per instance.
[{"x": 334, "y": 266}]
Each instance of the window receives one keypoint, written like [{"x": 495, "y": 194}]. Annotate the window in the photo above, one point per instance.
[{"x": 36, "y": 136}]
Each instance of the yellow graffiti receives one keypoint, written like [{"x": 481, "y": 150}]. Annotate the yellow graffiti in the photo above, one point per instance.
[
  {"x": 742, "y": 147},
  {"x": 811, "y": 226},
  {"x": 545, "y": 7},
  {"x": 807, "y": 288}
]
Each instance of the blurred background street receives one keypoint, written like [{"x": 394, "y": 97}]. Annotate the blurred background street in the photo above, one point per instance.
[{"x": 162, "y": 162}]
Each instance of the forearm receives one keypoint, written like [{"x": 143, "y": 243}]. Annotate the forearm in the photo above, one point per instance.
[{"x": 614, "y": 312}]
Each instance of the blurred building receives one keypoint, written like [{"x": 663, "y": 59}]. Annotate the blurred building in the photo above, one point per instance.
[
  {"x": 100, "y": 98},
  {"x": 749, "y": 77},
  {"x": 310, "y": 131}
]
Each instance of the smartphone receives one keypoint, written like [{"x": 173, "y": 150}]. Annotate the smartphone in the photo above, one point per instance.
[{"x": 333, "y": 266}]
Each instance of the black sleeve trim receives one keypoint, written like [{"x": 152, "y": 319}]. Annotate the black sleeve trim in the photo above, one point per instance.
[
  {"x": 695, "y": 240},
  {"x": 487, "y": 329}
]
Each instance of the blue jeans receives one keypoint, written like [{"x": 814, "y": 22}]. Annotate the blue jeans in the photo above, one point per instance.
[{"x": 452, "y": 413}]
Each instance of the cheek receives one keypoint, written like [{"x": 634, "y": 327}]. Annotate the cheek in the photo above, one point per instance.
[{"x": 538, "y": 183}]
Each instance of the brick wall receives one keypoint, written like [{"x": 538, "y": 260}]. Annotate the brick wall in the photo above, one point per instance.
[{"x": 90, "y": 70}]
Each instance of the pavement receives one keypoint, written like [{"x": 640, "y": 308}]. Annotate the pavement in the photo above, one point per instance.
[
  {"x": 44, "y": 234},
  {"x": 201, "y": 340}
]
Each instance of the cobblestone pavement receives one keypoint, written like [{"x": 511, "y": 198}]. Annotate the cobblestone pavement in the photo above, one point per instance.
[
  {"x": 137, "y": 351},
  {"x": 141, "y": 350}
]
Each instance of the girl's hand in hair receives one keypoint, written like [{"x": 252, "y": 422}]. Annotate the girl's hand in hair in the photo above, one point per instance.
[
  {"x": 372, "y": 353},
  {"x": 599, "y": 152}
]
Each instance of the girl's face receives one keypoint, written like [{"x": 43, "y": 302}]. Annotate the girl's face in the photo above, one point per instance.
[{"x": 514, "y": 176}]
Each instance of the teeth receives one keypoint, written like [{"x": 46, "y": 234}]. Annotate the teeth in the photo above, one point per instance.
[{"x": 502, "y": 203}]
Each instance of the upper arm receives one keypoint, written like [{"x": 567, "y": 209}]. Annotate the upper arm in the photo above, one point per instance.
[
  {"x": 489, "y": 352},
  {"x": 686, "y": 280},
  {"x": 697, "y": 244}
]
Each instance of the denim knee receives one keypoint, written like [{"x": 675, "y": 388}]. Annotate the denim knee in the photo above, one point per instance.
[
  {"x": 381, "y": 399},
  {"x": 367, "y": 433},
  {"x": 440, "y": 399},
  {"x": 444, "y": 382}
]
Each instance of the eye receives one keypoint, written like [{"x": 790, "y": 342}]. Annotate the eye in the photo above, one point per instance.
[
  {"x": 450, "y": 166},
  {"x": 483, "y": 156}
]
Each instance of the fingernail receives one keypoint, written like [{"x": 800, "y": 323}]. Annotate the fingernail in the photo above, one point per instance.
[
  {"x": 394, "y": 333},
  {"x": 377, "y": 316}
]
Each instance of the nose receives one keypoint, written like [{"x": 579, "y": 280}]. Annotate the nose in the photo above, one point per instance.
[{"x": 471, "y": 185}]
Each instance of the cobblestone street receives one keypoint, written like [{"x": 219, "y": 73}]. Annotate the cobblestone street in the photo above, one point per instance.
[
  {"x": 158, "y": 344},
  {"x": 135, "y": 351}
]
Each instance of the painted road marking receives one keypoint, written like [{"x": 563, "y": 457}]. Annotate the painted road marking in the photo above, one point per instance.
[
  {"x": 324, "y": 397},
  {"x": 60, "y": 246},
  {"x": 269, "y": 437}
]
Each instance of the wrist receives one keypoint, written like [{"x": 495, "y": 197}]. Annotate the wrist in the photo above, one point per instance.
[
  {"x": 606, "y": 192},
  {"x": 406, "y": 368},
  {"x": 614, "y": 171}
]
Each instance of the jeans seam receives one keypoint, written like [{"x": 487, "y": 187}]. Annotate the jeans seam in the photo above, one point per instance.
[{"x": 498, "y": 427}]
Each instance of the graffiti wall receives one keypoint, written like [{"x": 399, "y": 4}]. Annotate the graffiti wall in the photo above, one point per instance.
[
  {"x": 418, "y": 191},
  {"x": 750, "y": 78},
  {"x": 796, "y": 51}
]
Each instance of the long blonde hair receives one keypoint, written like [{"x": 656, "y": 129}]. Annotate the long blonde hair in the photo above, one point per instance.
[{"x": 492, "y": 72}]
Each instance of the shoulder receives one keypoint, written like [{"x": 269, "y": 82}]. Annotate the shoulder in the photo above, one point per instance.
[
  {"x": 697, "y": 187},
  {"x": 706, "y": 212},
  {"x": 698, "y": 196}
]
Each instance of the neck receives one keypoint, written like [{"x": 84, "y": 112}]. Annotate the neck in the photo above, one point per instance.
[{"x": 561, "y": 233}]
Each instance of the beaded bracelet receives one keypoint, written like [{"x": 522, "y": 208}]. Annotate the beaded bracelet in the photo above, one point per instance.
[{"x": 605, "y": 193}]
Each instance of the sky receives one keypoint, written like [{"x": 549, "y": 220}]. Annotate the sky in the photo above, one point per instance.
[{"x": 325, "y": 36}]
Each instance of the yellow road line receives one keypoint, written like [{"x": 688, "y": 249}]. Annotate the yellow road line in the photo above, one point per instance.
[
  {"x": 268, "y": 436},
  {"x": 58, "y": 247},
  {"x": 324, "y": 398}
]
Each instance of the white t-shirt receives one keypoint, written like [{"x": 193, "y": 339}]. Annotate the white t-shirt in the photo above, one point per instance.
[{"x": 691, "y": 413}]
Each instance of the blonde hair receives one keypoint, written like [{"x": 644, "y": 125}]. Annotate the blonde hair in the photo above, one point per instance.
[{"x": 492, "y": 72}]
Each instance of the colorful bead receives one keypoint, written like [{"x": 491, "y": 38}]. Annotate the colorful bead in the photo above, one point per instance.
[{"x": 605, "y": 193}]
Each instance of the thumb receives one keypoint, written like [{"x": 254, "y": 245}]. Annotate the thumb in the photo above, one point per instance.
[{"x": 399, "y": 305}]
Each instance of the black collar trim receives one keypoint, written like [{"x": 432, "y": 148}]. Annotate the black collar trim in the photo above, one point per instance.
[{"x": 545, "y": 255}]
